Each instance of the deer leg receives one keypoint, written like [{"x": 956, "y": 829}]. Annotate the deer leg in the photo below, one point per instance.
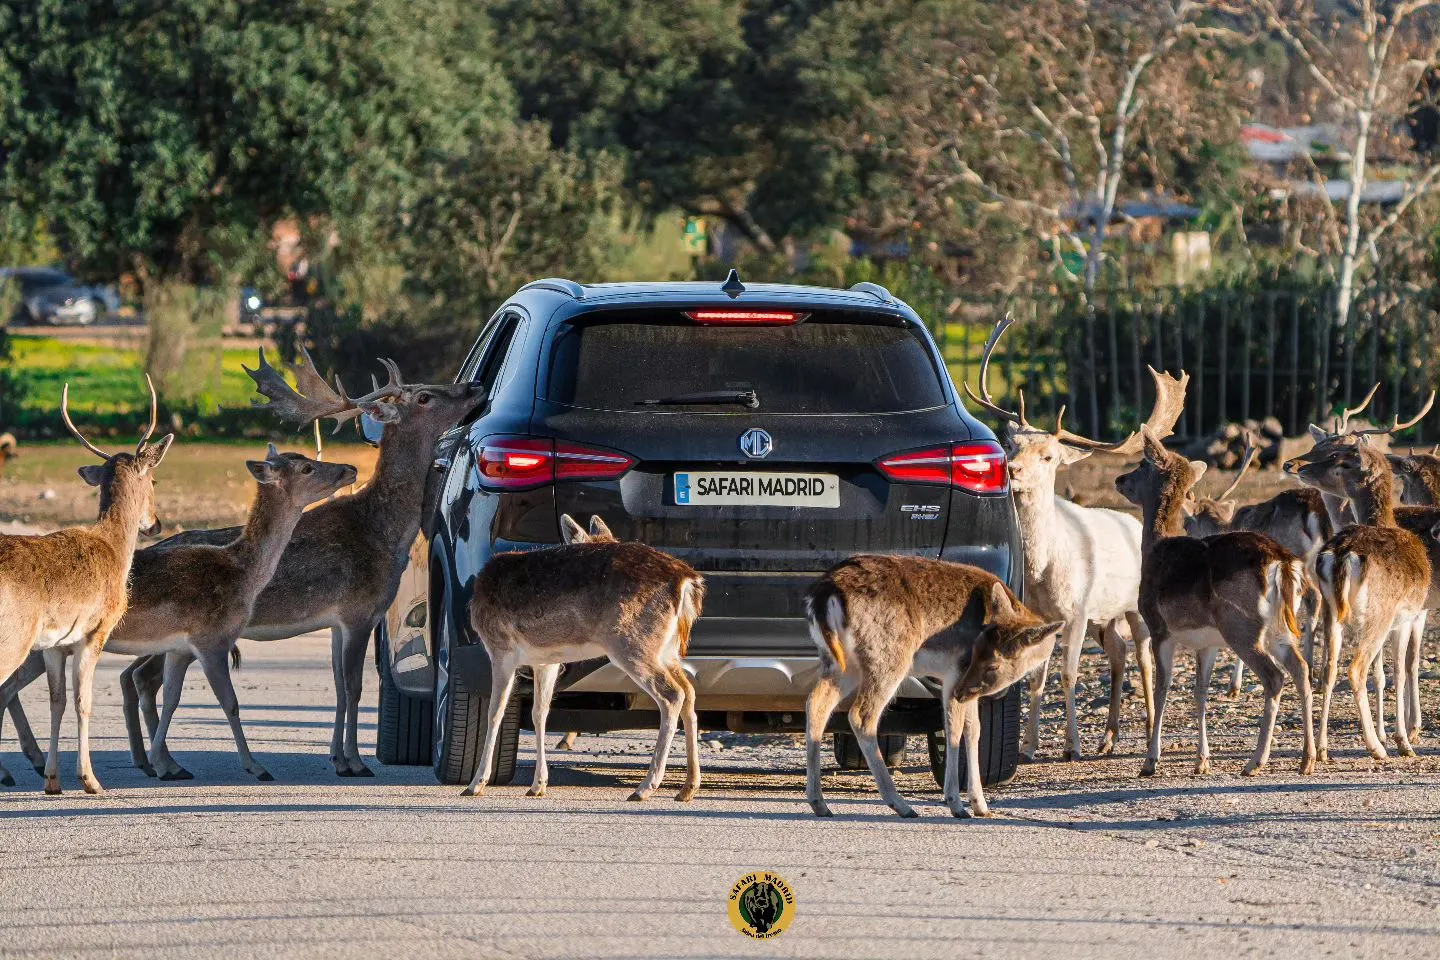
[
  {"x": 176, "y": 664},
  {"x": 337, "y": 671},
  {"x": 1114, "y": 650},
  {"x": 130, "y": 706},
  {"x": 1413, "y": 718},
  {"x": 954, "y": 717},
  {"x": 502, "y": 682},
  {"x": 149, "y": 680},
  {"x": 1036, "y": 683},
  {"x": 670, "y": 698},
  {"x": 978, "y": 806},
  {"x": 215, "y": 661},
  {"x": 1377, "y": 671},
  {"x": 355, "y": 643},
  {"x": 567, "y": 742},
  {"x": 1272, "y": 680},
  {"x": 1359, "y": 666},
  {"x": 1074, "y": 642},
  {"x": 1299, "y": 669},
  {"x": 1204, "y": 669},
  {"x": 1331, "y": 648},
  {"x": 692, "y": 735},
  {"x": 1402, "y": 635},
  {"x": 545, "y": 677},
  {"x": 1237, "y": 677},
  {"x": 84, "y": 676},
  {"x": 33, "y": 667},
  {"x": 818, "y": 707},
  {"x": 1164, "y": 668},
  {"x": 1145, "y": 658},
  {"x": 55, "y": 677},
  {"x": 875, "y": 692}
]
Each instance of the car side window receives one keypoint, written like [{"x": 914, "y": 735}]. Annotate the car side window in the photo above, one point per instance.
[{"x": 493, "y": 361}]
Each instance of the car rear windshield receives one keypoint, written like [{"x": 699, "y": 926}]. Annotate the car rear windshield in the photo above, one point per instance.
[{"x": 831, "y": 362}]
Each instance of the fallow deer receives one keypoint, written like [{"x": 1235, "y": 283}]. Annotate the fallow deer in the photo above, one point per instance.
[
  {"x": 593, "y": 596},
  {"x": 1296, "y": 519},
  {"x": 1375, "y": 577},
  {"x": 877, "y": 619},
  {"x": 1419, "y": 475},
  {"x": 192, "y": 602},
  {"x": 1240, "y": 590},
  {"x": 9, "y": 449},
  {"x": 345, "y": 558},
  {"x": 1082, "y": 564},
  {"x": 65, "y": 591}
]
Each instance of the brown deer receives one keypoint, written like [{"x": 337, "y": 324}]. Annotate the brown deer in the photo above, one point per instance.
[
  {"x": 877, "y": 619},
  {"x": 1419, "y": 475},
  {"x": 1240, "y": 590},
  {"x": 591, "y": 597},
  {"x": 1375, "y": 577},
  {"x": 64, "y": 592},
  {"x": 192, "y": 602},
  {"x": 9, "y": 449},
  {"x": 1082, "y": 564},
  {"x": 345, "y": 558}
]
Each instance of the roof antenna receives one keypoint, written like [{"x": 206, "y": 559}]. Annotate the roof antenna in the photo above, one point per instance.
[{"x": 732, "y": 287}]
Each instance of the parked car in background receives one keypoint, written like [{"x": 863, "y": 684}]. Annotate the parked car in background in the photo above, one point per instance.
[
  {"x": 761, "y": 433},
  {"x": 53, "y": 296}
]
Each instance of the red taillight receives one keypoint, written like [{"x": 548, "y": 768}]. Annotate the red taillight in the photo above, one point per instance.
[
  {"x": 520, "y": 463},
  {"x": 757, "y": 318},
  {"x": 978, "y": 466}
]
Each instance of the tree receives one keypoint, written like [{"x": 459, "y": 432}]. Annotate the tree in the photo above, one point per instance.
[
  {"x": 166, "y": 137},
  {"x": 1369, "y": 65}
]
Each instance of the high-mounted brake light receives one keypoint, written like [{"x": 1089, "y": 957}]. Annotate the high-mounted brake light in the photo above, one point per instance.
[
  {"x": 523, "y": 463},
  {"x": 977, "y": 466},
  {"x": 758, "y": 318}
]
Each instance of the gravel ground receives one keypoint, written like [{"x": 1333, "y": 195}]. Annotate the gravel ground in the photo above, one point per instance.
[{"x": 1083, "y": 859}]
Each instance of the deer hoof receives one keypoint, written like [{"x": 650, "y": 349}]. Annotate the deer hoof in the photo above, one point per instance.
[
  {"x": 146, "y": 768},
  {"x": 92, "y": 787},
  {"x": 1027, "y": 756},
  {"x": 52, "y": 786},
  {"x": 265, "y": 776},
  {"x": 180, "y": 773},
  {"x": 1106, "y": 748},
  {"x": 686, "y": 794},
  {"x": 1307, "y": 766},
  {"x": 1147, "y": 769},
  {"x": 1072, "y": 756},
  {"x": 536, "y": 791},
  {"x": 1202, "y": 767},
  {"x": 364, "y": 771},
  {"x": 905, "y": 811},
  {"x": 1252, "y": 769},
  {"x": 473, "y": 791},
  {"x": 6, "y": 780}
]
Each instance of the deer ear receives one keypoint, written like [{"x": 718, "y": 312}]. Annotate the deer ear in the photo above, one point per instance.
[
  {"x": 262, "y": 470},
  {"x": 572, "y": 532},
  {"x": 93, "y": 474},
  {"x": 1001, "y": 606},
  {"x": 1317, "y": 434},
  {"x": 1072, "y": 454},
  {"x": 1225, "y": 510},
  {"x": 1198, "y": 467},
  {"x": 598, "y": 529},
  {"x": 381, "y": 412},
  {"x": 153, "y": 453},
  {"x": 271, "y": 452},
  {"x": 1043, "y": 632}
]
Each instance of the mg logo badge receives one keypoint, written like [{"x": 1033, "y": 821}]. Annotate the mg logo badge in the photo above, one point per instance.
[{"x": 756, "y": 443}]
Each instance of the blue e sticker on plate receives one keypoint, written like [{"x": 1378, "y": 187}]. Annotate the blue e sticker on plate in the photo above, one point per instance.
[{"x": 682, "y": 488}]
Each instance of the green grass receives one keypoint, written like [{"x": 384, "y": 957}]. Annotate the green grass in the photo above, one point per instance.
[{"x": 106, "y": 380}]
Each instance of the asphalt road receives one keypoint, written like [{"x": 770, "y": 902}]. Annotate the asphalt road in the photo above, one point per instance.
[{"x": 1083, "y": 860}]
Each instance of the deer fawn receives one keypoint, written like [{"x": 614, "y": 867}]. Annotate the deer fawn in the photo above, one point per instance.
[
  {"x": 192, "y": 602},
  {"x": 344, "y": 561},
  {"x": 591, "y": 597},
  {"x": 65, "y": 591},
  {"x": 877, "y": 619},
  {"x": 1082, "y": 564},
  {"x": 1375, "y": 577},
  {"x": 1239, "y": 589}
]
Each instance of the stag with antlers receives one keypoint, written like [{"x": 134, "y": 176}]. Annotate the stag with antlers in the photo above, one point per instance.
[
  {"x": 1082, "y": 564},
  {"x": 64, "y": 592},
  {"x": 345, "y": 557}
]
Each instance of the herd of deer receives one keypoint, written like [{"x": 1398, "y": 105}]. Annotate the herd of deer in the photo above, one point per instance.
[{"x": 1334, "y": 561}]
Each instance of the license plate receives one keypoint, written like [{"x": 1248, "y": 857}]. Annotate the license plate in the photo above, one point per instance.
[{"x": 742, "y": 488}]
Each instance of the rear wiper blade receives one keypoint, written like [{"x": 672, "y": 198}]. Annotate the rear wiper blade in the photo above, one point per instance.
[{"x": 745, "y": 398}]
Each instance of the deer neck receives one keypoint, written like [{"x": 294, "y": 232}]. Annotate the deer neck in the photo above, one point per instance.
[
  {"x": 267, "y": 531},
  {"x": 1162, "y": 516},
  {"x": 1036, "y": 507},
  {"x": 119, "y": 522},
  {"x": 1373, "y": 500},
  {"x": 396, "y": 492}
]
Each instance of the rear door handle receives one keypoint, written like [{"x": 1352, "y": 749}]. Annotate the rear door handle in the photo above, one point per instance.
[{"x": 442, "y": 463}]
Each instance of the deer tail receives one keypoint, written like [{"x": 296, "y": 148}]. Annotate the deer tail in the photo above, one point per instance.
[
  {"x": 825, "y": 609},
  {"x": 688, "y": 602},
  {"x": 234, "y": 658},
  {"x": 1291, "y": 582},
  {"x": 1338, "y": 577}
]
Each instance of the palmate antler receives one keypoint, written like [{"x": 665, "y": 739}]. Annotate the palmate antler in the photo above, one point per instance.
[
  {"x": 315, "y": 398},
  {"x": 1169, "y": 404}
]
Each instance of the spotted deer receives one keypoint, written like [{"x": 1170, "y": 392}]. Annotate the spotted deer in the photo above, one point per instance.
[
  {"x": 1296, "y": 519},
  {"x": 876, "y": 620},
  {"x": 63, "y": 592},
  {"x": 1082, "y": 564},
  {"x": 1375, "y": 577},
  {"x": 592, "y": 596},
  {"x": 1240, "y": 590},
  {"x": 343, "y": 564}
]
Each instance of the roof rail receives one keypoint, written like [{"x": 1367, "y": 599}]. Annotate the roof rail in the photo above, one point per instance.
[
  {"x": 875, "y": 290},
  {"x": 558, "y": 285}
]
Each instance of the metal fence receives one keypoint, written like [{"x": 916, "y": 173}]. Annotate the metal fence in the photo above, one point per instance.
[{"x": 1251, "y": 353}]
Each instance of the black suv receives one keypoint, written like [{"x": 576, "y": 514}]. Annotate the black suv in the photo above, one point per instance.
[{"x": 761, "y": 433}]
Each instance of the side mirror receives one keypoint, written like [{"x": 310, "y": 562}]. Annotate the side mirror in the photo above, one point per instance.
[{"x": 371, "y": 429}]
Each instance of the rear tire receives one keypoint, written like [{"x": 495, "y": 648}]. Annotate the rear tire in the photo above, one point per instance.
[
  {"x": 406, "y": 727},
  {"x": 999, "y": 742},
  {"x": 849, "y": 757},
  {"x": 460, "y": 715}
]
